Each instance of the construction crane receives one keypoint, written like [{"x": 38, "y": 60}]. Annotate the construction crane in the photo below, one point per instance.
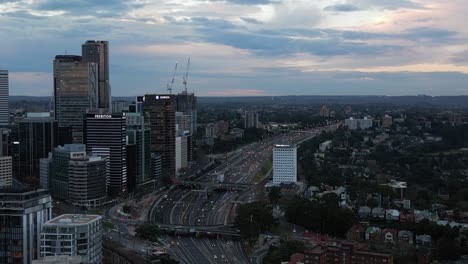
[
  {"x": 171, "y": 82},
  {"x": 186, "y": 75}
]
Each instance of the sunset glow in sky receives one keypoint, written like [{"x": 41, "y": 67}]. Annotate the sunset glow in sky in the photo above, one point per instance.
[{"x": 246, "y": 47}]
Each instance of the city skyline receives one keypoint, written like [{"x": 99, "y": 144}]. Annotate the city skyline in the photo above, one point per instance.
[{"x": 245, "y": 48}]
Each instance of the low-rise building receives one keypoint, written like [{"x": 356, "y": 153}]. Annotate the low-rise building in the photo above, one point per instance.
[
  {"x": 344, "y": 252},
  {"x": 73, "y": 235}
]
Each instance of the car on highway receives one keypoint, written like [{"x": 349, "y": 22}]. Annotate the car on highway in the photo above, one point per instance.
[{"x": 215, "y": 257}]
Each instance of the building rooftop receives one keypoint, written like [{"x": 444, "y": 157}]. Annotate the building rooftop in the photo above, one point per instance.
[
  {"x": 71, "y": 148},
  {"x": 73, "y": 219},
  {"x": 284, "y": 146}
]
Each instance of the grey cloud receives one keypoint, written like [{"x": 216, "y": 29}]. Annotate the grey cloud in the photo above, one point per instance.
[
  {"x": 104, "y": 8},
  {"x": 248, "y": 2},
  {"x": 21, "y": 14},
  {"x": 460, "y": 58},
  {"x": 342, "y": 8},
  {"x": 251, "y": 20}
]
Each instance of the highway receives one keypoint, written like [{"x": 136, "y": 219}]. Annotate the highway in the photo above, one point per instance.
[{"x": 201, "y": 202}]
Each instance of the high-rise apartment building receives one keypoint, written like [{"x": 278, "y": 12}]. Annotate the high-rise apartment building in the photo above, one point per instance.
[
  {"x": 34, "y": 137},
  {"x": 284, "y": 164},
  {"x": 5, "y": 171},
  {"x": 78, "y": 177},
  {"x": 75, "y": 92},
  {"x": 73, "y": 235},
  {"x": 98, "y": 52},
  {"x": 105, "y": 135},
  {"x": 23, "y": 211},
  {"x": 187, "y": 104},
  {"x": 4, "y": 98},
  {"x": 159, "y": 111},
  {"x": 324, "y": 111},
  {"x": 251, "y": 119}
]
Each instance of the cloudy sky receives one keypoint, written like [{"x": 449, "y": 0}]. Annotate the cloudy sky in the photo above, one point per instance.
[{"x": 246, "y": 47}]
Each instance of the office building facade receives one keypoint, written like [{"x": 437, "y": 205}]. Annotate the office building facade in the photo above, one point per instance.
[
  {"x": 284, "y": 164},
  {"x": 75, "y": 92},
  {"x": 105, "y": 135},
  {"x": 23, "y": 211},
  {"x": 156, "y": 166},
  {"x": 73, "y": 235},
  {"x": 98, "y": 52},
  {"x": 4, "y": 98},
  {"x": 78, "y": 177},
  {"x": 6, "y": 173},
  {"x": 159, "y": 111},
  {"x": 139, "y": 134},
  {"x": 34, "y": 137}
]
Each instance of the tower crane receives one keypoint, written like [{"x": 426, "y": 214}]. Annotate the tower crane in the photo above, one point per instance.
[
  {"x": 185, "y": 79},
  {"x": 171, "y": 82}
]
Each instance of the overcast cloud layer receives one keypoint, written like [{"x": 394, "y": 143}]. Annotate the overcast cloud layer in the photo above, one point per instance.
[{"x": 246, "y": 47}]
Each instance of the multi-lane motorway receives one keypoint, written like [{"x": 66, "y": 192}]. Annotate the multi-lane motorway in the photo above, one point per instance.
[{"x": 207, "y": 204}]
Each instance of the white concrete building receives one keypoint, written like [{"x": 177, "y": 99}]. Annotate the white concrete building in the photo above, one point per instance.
[
  {"x": 5, "y": 171},
  {"x": 284, "y": 164},
  {"x": 178, "y": 154},
  {"x": 73, "y": 235}
]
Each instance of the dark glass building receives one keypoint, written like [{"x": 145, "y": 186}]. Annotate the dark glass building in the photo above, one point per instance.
[
  {"x": 105, "y": 135},
  {"x": 132, "y": 168},
  {"x": 33, "y": 137},
  {"x": 159, "y": 111},
  {"x": 138, "y": 134}
]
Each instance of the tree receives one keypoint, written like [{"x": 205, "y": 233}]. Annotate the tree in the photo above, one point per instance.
[
  {"x": 126, "y": 208},
  {"x": 254, "y": 218},
  {"x": 275, "y": 194},
  {"x": 319, "y": 218},
  {"x": 148, "y": 231}
]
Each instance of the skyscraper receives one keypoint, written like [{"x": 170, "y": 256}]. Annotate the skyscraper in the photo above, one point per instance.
[
  {"x": 98, "y": 52},
  {"x": 36, "y": 136},
  {"x": 159, "y": 110},
  {"x": 75, "y": 91},
  {"x": 4, "y": 110},
  {"x": 105, "y": 135},
  {"x": 187, "y": 104},
  {"x": 251, "y": 119},
  {"x": 23, "y": 211},
  {"x": 139, "y": 135}
]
